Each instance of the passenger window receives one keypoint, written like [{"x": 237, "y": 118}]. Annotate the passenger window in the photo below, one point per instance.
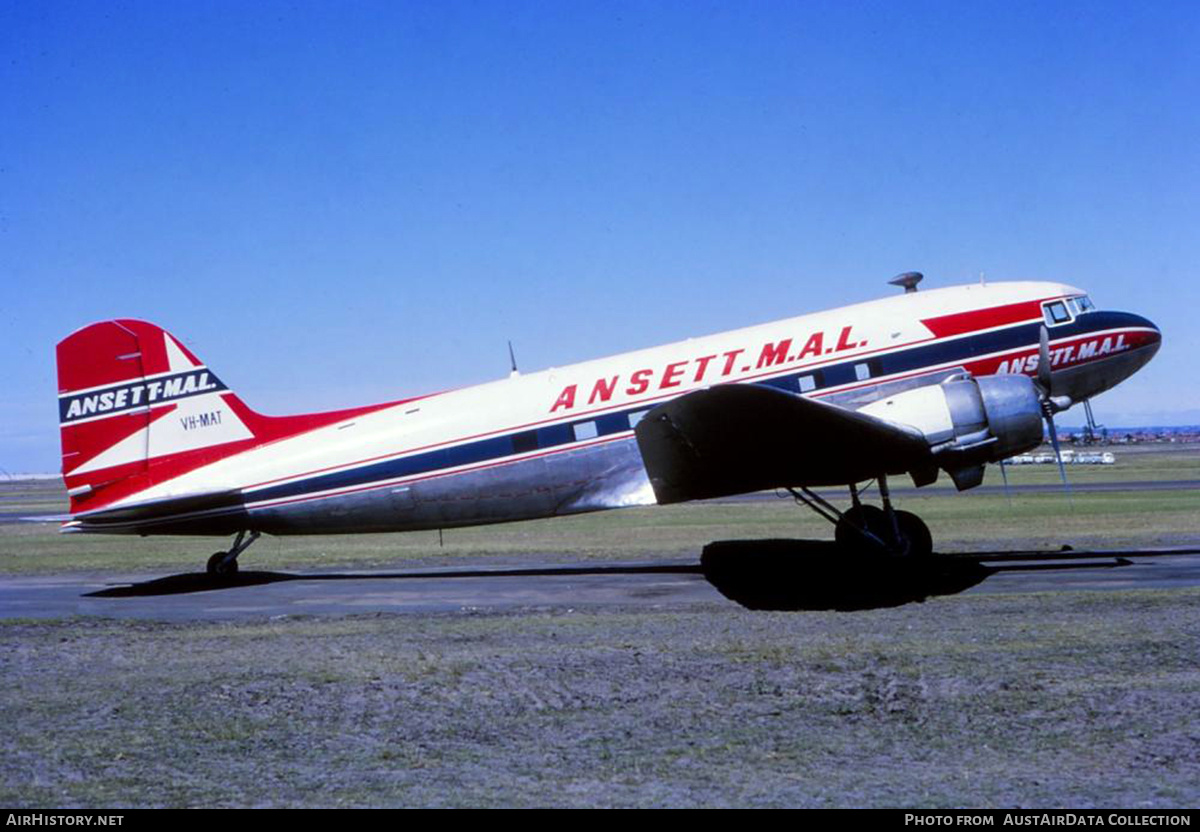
[
  {"x": 585, "y": 430},
  {"x": 862, "y": 372},
  {"x": 1056, "y": 313},
  {"x": 807, "y": 383}
]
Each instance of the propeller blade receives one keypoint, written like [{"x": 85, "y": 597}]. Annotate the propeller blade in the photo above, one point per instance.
[
  {"x": 1062, "y": 471},
  {"x": 1004, "y": 476},
  {"x": 1043, "y": 367}
]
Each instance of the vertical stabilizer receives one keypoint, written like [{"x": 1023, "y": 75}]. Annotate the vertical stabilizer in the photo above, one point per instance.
[{"x": 135, "y": 408}]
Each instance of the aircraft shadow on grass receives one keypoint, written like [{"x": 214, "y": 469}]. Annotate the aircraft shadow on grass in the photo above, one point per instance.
[
  {"x": 789, "y": 575},
  {"x": 786, "y": 575},
  {"x": 820, "y": 575},
  {"x": 188, "y": 582}
]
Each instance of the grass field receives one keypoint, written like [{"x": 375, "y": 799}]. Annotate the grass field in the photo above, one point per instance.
[
  {"x": 970, "y": 521},
  {"x": 1050, "y": 699},
  {"x": 1039, "y": 700}
]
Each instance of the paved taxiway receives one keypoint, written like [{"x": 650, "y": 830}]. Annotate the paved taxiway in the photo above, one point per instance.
[{"x": 676, "y": 583}]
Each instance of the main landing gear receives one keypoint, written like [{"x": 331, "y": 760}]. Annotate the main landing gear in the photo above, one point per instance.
[
  {"x": 866, "y": 528},
  {"x": 224, "y": 564}
]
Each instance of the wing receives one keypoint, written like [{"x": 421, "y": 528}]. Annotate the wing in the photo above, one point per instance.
[{"x": 738, "y": 438}]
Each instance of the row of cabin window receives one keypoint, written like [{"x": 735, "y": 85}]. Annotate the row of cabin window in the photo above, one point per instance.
[{"x": 580, "y": 431}]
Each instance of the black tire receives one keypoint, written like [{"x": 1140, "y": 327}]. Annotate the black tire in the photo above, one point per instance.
[
  {"x": 849, "y": 529},
  {"x": 915, "y": 539},
  {"x": 219, "y": 570}
]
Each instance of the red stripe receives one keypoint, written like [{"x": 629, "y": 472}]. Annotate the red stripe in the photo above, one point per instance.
[{"x": 976, "y": 319}]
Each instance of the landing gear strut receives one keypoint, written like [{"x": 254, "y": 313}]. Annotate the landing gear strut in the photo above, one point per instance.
[
  {"x": 864, "y": 527},
  {"x": 224, "y": 564}
]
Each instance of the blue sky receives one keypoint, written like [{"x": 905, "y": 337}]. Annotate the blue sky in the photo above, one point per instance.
[{"x": 337, "y": 203}]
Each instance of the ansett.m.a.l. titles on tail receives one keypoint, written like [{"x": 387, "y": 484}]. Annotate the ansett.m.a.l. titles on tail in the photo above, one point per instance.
[{"x": 136, "y": 408}]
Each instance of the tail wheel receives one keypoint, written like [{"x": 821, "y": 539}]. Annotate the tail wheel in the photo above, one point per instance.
[
  {"x": 218, "y": 567},
  {"x": 224, "y": 564}
]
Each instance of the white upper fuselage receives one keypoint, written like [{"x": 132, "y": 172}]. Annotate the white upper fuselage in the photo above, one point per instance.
[{"x": 616, "y": 383}]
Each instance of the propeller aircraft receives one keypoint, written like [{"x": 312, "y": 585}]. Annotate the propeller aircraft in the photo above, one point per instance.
[{"x": 917, "y": 383}]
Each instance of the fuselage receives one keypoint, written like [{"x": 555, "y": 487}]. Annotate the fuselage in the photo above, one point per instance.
[{"x": 561, "y": 441}]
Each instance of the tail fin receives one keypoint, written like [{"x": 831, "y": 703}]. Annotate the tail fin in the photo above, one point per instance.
[{"x": 135, "y": 408}]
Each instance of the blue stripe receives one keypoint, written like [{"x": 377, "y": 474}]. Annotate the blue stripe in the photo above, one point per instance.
[{"x": 837, "y": 375}]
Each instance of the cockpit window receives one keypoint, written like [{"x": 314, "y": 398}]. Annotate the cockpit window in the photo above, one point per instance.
[
  {"x": 1080, "y": 305},
  {"x": 1056, "y": 313}
]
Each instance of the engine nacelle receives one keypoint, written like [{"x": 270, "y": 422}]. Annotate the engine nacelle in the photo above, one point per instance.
[{"x": 969, "y": 421}]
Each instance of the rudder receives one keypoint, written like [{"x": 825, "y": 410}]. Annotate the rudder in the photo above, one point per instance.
[{"x": 136, "y": 408}]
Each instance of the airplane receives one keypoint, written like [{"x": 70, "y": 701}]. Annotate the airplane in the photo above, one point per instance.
[{"x": 917, "y": 383}]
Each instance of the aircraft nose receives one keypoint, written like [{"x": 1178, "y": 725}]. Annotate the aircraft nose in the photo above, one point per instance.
[
  {"x": 1147, "y": 339},
  {"x": 1153, "y": 334},
  {"x": 1116, "y": 357}
]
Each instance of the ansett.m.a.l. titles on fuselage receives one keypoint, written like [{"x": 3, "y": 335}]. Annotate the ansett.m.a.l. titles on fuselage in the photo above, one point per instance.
[
  {"x": 1066, "y": 355},
  {"x": 705, "y": 368}
]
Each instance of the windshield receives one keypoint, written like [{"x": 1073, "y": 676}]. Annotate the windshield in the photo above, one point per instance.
[{"x": 1056, "y": 313}]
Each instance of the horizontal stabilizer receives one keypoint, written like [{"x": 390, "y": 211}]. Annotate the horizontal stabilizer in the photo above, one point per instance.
[
  {"x": 741, "y": 437},
  {"x": 148, "y": 510}
]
